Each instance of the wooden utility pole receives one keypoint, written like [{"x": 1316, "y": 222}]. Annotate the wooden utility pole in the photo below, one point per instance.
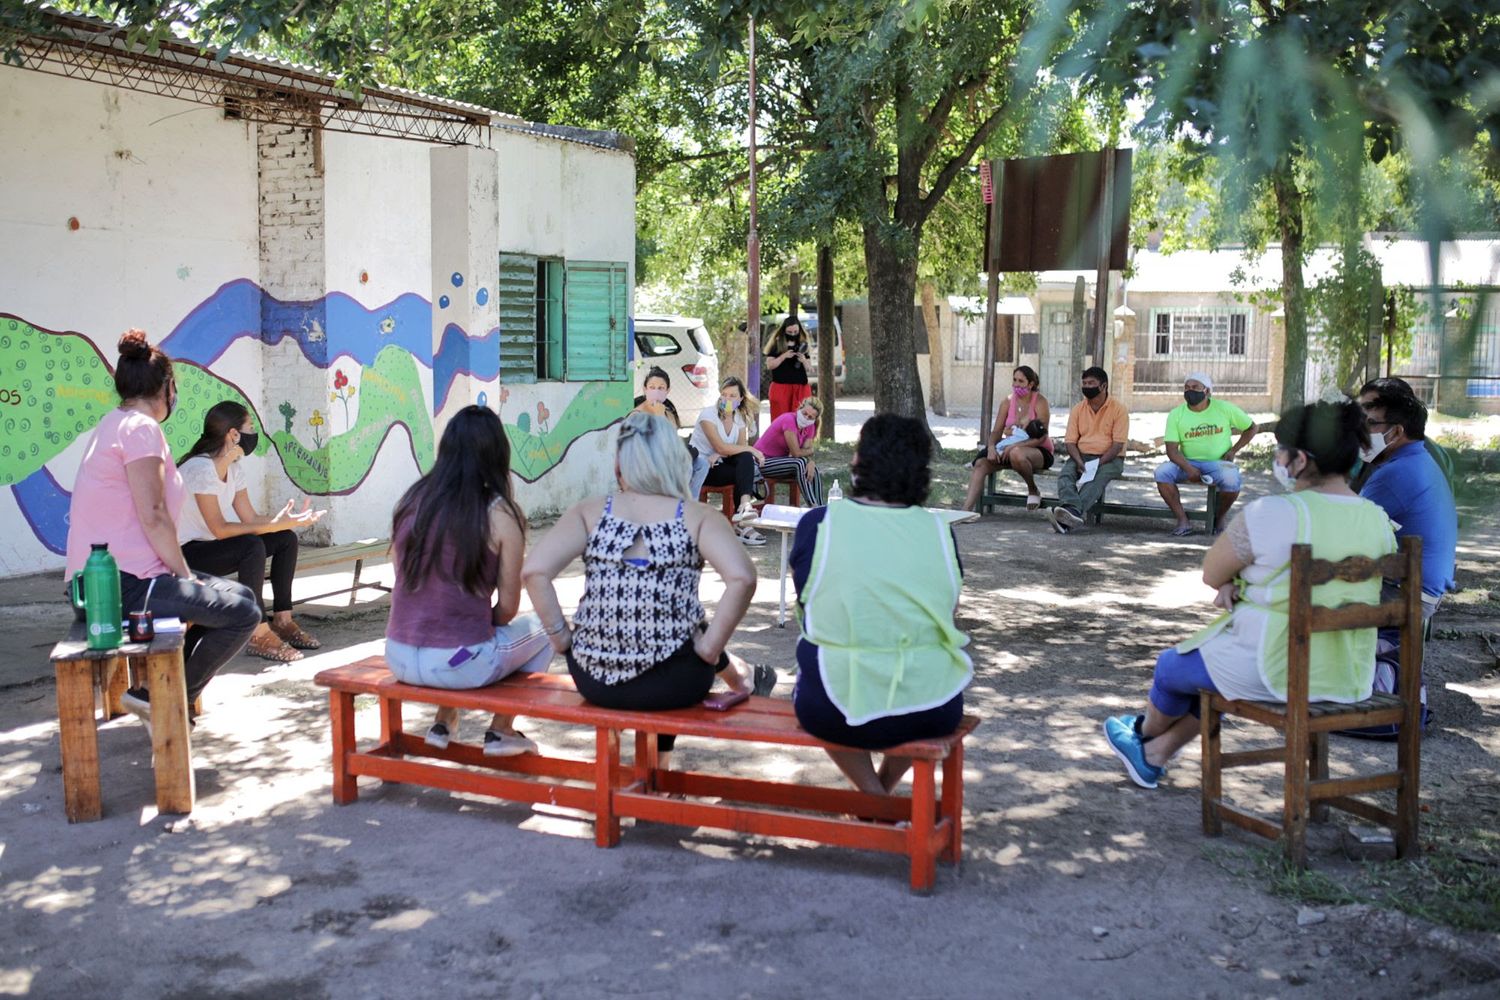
[
  {"x": 991, "y": 302},
  {"x": 752, "y": 242}
]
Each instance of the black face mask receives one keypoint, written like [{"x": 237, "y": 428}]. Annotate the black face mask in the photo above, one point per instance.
[
  {"x": 248, "y": 441},
  {"x": 1091, "y": 391},
  {"x": 1194, "y": 397}
]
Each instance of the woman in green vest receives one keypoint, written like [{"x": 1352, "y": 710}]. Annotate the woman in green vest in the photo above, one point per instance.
[
  {"x": 1243, "y": 655},
  {"x": 878, "y": 579}
]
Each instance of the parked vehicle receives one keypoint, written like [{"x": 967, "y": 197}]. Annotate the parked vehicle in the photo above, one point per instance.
[
  {"x": 681, "y": 346},
  {"x": 770, "y": 324}
]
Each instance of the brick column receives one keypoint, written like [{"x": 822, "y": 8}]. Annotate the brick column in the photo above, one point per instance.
[
  {"x": 293, "y": 308},
  {"x": 1122, "y": 357}
]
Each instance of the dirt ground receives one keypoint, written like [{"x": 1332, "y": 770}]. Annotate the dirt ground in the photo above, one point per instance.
[{"x": 1073, "y": 880}]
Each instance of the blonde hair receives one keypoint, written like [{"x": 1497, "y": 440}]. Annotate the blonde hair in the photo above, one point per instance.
[
  {"x": 813, "y": 402},
  {"x": 651, "y": 457}
]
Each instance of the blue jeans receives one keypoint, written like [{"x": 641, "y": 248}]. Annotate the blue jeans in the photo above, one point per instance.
[
  {"x": 519, "y": 645},
  {"x": 1178, "y": 679},
  {"x": 1226, "y": 475},
  {"x": 223, "y": 615},
  {"x": 700, "y": 473}
]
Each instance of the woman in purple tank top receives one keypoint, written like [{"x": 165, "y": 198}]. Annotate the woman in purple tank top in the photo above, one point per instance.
[
  {"x": 459, "y": 540},
  {"x": 1019, "y": 440}
]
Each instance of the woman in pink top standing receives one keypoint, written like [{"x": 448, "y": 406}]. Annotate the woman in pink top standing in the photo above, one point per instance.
[
  {"x": 1019, "y": 441},
  {"x": 128, "y": 493},
  {"x": 788, "y": 447}
]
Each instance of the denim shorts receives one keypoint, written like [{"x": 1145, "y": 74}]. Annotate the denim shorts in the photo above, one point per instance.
[
  {"x": 520, "y": 645},
  {"x": 1226, "y": 475}
]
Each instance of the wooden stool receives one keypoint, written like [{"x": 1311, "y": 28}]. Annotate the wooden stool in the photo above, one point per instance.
[
  {"x": 793, "y": 491},
  {"x": 726, "y": 495},
  {"x": 159, "y": 666}
]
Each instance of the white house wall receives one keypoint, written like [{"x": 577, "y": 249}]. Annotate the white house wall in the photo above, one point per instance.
[{"x": 172, "y": 201}]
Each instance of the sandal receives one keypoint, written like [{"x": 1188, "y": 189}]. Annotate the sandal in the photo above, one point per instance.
[
  {"x": 1033, "y": 501},
  {"x": 764, "y": 679},
  {"x": 1182, "y": 531},
  {"x": 296, "y": 638},
  {"x": 280, "y": 652}
]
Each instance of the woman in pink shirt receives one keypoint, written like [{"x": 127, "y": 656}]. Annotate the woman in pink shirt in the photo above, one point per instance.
[
  {"x": 128, "y": 493},
  {"x": 787, "y": 445}
]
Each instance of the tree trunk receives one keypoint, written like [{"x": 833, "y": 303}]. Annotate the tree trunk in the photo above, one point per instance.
[
  {"x": 827, "y": 344},
  {"x": 893, "y": 290},
  {"x": 935, "y": 358},
  {"x": 1289, "y": 223}
]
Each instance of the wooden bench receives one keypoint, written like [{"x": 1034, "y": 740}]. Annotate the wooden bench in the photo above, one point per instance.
[
  {"x": 80, "y": 672},
  {"x": 611, "y": 789},
  {"x": 1209, "y": 515},
  {"x": 327, "y": 556}
]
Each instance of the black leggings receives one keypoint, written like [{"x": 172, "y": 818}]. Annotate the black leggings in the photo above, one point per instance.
[
  {"x": 738, "y": 470},
  {"x": 680, "y": 681},
  {"x": 245, "y": 556}
]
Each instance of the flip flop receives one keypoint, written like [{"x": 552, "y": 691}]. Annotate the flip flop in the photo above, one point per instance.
[
  {"x": 765, "y": 679},
  {"x": 1181, "y": 532}
]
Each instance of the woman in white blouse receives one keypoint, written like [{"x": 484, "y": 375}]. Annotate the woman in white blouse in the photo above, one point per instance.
[{"x": 221, "y": 532}]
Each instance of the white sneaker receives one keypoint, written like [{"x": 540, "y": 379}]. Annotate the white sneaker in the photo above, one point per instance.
[
  {"x": 437, "y": 737},
  {"x": 497, "y": 744},
  {"x": 750, "y": 536}
]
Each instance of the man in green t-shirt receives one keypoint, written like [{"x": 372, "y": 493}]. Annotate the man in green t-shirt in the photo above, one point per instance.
[{"x": 1201, "y": 448}]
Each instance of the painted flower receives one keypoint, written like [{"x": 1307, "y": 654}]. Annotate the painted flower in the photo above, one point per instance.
[
  {"x": 388, "y": 324},
  {"x": 504, "y": 395},
  {"x": 316, "y": 419},
  {"x": 339, "y": 378},
  {"x": 542, "y": 413}
]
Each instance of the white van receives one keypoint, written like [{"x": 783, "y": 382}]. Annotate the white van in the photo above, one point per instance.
[
  {"x": 681, "y": 346},
  {"x": 770, "y": 324}
]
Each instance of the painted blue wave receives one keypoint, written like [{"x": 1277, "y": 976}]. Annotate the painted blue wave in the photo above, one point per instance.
[
  {"x": 332, "y": 326},
  {"x": 44, "y": 504},
  {"x": 458, "y": 354}
]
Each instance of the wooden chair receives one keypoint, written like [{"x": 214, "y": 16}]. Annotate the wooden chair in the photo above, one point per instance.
[
  {"x": 726, "y": 497},
  {"x": 793, "y": 491},
  {"x": 1308, "y": 790}
]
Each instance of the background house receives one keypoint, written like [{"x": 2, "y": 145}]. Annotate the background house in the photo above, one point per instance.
[{"x": 353, "y": 271}]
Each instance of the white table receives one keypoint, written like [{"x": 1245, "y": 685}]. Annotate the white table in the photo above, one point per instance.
[{"x": 785, "y": 529}]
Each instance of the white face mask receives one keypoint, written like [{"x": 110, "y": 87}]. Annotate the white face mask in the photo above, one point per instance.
[
  {"x": 1377, "y": 445},
  {"x": 1284, "y": 477},
  {"x": 804, "y": 422},
  {"x": 657, "y": 396}
]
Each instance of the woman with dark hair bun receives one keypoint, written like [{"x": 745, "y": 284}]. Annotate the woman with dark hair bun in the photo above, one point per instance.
[
  {"x": 221, "y": 532},
  {"x": 1019, "y": 440},
  {"x": 655, "y": 402},
  {"x": 1242, "y": 655},
  {"x": 129, "y": 494},
  {"x": 880, "y": 662}
]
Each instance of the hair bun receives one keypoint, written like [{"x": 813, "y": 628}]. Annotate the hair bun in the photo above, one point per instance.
[{"x": 134, "y": 345}]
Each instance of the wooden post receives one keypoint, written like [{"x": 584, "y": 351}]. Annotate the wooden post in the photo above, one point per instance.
[
  {"x": 1106, "y": 236},
  {"x": 78, "y": 739},
  {"x": 1294, "y": 790},
  {"x": 1409, "y": 739},
  {"x": 991, "y": 305},
  {"x": 170, "y": 742},
  {"x": 953, "y": 802},
  {"x": 919, "y": 834},
  {"x": 1208, "y": 728},
  {"x": 606, "y": 757},
  {"x": 341, "y": 712}
]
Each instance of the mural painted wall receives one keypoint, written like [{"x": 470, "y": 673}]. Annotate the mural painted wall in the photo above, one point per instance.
[{"x": 115, "y": 212}]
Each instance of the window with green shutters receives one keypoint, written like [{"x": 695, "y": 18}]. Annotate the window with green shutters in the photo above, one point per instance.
[
  {"x": 516, "y": 298},
  {"x": 562, "y": 320},
  {"x": 596, "y": 325}
]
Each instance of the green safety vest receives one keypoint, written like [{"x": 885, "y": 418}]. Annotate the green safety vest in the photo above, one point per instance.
[{"x": 878, "y": 603}]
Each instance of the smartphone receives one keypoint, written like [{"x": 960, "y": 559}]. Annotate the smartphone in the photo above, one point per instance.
[{"x": 723, "y": 701}]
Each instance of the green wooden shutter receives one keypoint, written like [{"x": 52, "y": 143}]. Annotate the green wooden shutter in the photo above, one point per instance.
[
  {"x": 597, "y": 302},
  {"x": 516, "y": 298}
]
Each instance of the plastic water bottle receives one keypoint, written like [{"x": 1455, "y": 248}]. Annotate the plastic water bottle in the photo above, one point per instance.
[
  {"x": 100, "y": 597},
  {"x": 834, "y": 493}
]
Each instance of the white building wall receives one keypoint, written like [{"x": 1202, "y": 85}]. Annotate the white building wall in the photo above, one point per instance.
[{"x": 164, "y": 194}]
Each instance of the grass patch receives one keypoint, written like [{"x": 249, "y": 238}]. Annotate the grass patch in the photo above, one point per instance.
[{"x": 1455, "y": 882}]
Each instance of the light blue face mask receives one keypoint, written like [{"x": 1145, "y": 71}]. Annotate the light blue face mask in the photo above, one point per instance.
[{"x": 1284, "y": 478}]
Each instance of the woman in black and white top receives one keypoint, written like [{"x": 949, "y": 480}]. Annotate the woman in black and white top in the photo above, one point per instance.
[
  {"x": 722, "y": 436},
  {"x": 221, "y": 532},
  {"x": 640, "y": 639}
]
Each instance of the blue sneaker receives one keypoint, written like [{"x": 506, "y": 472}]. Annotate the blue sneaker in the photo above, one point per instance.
[{"x": 1126, "y": 744}]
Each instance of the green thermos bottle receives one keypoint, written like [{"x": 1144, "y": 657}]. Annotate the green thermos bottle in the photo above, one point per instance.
[{"x": 100, "y": 598}]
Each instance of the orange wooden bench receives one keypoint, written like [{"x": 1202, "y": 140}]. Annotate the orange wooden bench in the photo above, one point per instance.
[{"x": 930, "y": 824}]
